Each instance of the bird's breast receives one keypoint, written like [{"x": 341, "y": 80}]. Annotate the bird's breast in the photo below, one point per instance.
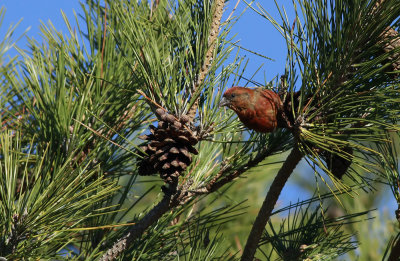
[{"x": 261, "y": 120}]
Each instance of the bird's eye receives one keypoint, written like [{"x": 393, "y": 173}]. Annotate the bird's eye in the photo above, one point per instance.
[{"x": 233, "y": 95}]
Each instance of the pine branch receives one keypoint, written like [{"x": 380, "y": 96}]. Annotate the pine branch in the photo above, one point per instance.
[
  {"x": 268, "y": 205},
  {"x": 220, "y": 179},
  {"x": 137, "y": 230},
  {"x": 395, "y": 252},
  {"x": 216, "y": 21},
  {"x": 179, "y": 198}
]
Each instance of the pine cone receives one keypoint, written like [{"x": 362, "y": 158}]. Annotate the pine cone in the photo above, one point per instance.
[
  {"x": 169, "y": 147},
  {"x": 391, "y": 41},
  {"x": 336, "y": 164},
  {"x": 288, "y": 119}
]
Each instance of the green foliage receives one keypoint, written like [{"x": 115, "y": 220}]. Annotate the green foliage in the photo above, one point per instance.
[
  {"x": 73, "y": 106},
  {"x": 41, "y": 207},
  {"x": 309, "y": 235},
  {"x": 342, "y": 76}
]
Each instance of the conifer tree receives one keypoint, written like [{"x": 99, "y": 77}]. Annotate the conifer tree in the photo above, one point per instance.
[{"x": 113, "y": 146}]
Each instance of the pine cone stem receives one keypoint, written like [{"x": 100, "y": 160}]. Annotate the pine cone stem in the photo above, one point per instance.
[{"x": 268, "y": 205}]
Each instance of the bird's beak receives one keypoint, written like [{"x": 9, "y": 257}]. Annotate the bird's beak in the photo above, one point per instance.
[{"x": 223, "y": 102}]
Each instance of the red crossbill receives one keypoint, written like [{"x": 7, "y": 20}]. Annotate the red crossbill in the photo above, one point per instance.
[{"x": 258, "y": 109}]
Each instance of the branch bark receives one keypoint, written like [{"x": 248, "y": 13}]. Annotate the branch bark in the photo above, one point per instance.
[
  {"x": 212, "y": 39},
  {"x": 137, "y": 230},
  {"x": 268, "y": 205},
  {"x": 395, "y": 251}
]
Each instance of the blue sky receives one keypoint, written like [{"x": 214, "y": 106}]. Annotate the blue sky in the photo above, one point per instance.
[{"x": 253, "y": 31}]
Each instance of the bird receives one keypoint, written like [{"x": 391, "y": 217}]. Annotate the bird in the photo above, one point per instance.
[
  {"x": 258, "y": 109},
  {"x": 262, "y": 110}
]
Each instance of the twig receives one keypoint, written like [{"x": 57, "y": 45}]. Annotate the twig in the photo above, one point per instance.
[
  {"x": 153, "y": 7},
  {"x": 269, "y": 203},
  {"x": 101, "y": 135},
  {"x": 151, "y": 101},
  {"x": 316, "y": 92},
  {"x": 104, "y": 40},
  {"x": 233, "y": 10},
  {"x": 214, "y": 31},
  {"x": 216, "y": 182},
  {"x": 220, "y": 180}
]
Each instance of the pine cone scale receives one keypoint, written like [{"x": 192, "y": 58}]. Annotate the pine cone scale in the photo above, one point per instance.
[{"x": 169, "y": 147}]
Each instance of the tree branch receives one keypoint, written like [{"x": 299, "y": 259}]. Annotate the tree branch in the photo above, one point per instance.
[
  {"x": 137, "y": 230},
  {"x": 181, "y": 197},
  {"x": 219, "y": 180},
  {"x": 395, "y": 251},
  {"x": 212, "y": 39},
  {"x": 268, "y": 205}
]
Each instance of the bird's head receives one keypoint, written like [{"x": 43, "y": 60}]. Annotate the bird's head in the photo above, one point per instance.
[{"x": 235, "y": 97}]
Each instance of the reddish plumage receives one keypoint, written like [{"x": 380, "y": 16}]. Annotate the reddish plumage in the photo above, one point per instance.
[{"x": 258, "y": 109}]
